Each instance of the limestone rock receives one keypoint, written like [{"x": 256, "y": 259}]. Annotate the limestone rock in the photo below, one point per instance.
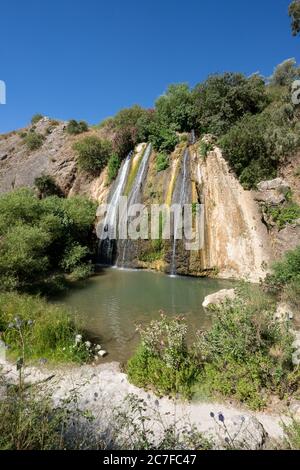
[
  {"x": 240, "y": 432},
  {"x": 284, "y": 312},
  {"x": 219, "y": 297},
  {"x": 271, "y": 197},
  {"x": 277, "y": 184}
]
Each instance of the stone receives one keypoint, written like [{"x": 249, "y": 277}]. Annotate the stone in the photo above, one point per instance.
[
  {"x": 240, "y": 432},
  {"x": 102, "y": 353},
  {"x": 284, "y": 312},
  {"x": 277, "y": 184},
  {"x": 272, "y": 197},
  {"x": 219, "y": 297}
]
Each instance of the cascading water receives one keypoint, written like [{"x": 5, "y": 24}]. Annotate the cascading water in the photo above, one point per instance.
[
  {"x": 107, "y": 244},
  {"x": 182, "y": 197},
  {"x": 135, "y": 198}
]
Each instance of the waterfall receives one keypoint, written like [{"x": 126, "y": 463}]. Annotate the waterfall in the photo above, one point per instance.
[
  {"x": 181, "y": 198},
  {"x": 135, "y": 198},
  {"x": 107, "y": 245}
]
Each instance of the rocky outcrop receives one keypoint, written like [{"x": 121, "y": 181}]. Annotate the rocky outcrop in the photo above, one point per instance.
[
  {"x": 219, "y": 297},
  {"x": 236, "y": 241}
]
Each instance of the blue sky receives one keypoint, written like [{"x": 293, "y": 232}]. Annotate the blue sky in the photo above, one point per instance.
[{"x": 86, "y": 59}]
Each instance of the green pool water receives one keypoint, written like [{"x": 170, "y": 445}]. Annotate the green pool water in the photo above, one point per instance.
[{"x": 111, "y": 303}]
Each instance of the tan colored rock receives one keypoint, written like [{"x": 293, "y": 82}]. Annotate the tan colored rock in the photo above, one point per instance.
[
  {"x": 219, "y": 297},
  {"x": 284, "y": 312}
]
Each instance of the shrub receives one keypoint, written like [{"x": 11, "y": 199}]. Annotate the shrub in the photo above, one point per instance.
[
  {"x": 283, "y": 215},
  {"x": 113, "y": 166},
  {"x": 75, "y": 127},
  {"x": 47, "y": 186},
  {"x": 287, "y": 270},
  {"x": 292, "y": 435},
  {"x": 36, "y": 118},
  {"x": 37, "y": 236},
  {"x": 162, "y": 162},
  {"x": 162, "y": 361},
  {"x": 222, "y": 100},
  {"x": 93, "y": 153},
  {"x": 204, "y": 148},
  {"x": 175, "y": 108},
  {"x": 163, "y": 139},
  {"x": 34, "y": 140}
]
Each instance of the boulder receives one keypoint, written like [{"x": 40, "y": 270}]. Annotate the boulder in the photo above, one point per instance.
[
  {"x": 240, "y": 432},
  {"x": 277, "y": 184},
  {"x": 272, "y": 197},
  {"x": 284, "y": 312},
  {"x": 219, "y": 297}
]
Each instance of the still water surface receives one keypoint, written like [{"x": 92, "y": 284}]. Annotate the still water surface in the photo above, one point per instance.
[{"x": 113, "y": 302}]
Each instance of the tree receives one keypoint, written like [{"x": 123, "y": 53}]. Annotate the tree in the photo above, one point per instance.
[
  {"x": 75, "y": 127},
  {"x": 294, "y": 13},
  {"x": 175, "y": 107},
  {"x": 222, "y": 100},
  {"x": 285, "y": 73}
]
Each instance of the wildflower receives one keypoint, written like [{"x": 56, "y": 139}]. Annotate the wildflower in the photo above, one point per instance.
[
  {"x": 98, "y": 347},
  {"x": 88, "y": 344},
  {"x": 212, "y": 415},
  {"x": 221, "y": 417},
  {"x": 78, "y": 339}
]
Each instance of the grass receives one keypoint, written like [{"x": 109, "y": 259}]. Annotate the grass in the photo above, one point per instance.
[{"x": 37, "y": 330}]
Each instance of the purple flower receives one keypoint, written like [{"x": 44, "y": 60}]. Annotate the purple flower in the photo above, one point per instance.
[
  {"x": 212, "y": 415},
  {"x": 221, "y": 417}
]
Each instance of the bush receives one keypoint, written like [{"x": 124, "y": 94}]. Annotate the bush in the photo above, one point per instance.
[
  {"x": 204, "y": 148},
  {"x": 113, "y": 166},
  {"x": 75, "y": 127},
  {"x": 34, "y": 140},
  {"x": 175, "y": 108},
  {"x": 286, "y": 214},
  {"x": 163, "y": 139},
  {"x": 37, "y": 236},
  {"x": 93, "y": 153},
  {"x": 287, "y": 270},
  {"x": 162, "y": 361},
  {"x": 47, "y": 186},
  {"x": 36, "y": 118},
  {"x": 222, "y": 100},
  {"x": 162, "y": 162}
]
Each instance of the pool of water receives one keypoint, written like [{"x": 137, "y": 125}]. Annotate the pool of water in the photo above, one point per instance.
[{"x": 111, "y": 303}]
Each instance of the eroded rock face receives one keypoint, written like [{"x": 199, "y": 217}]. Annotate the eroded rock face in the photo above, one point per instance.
[
  {"x": 219, "y": 297},
  {"x": 277, "y": 184},
  {"x": 284, "y": 312},
  {"x": 236, "y": 241},
  {"x": 240, "y": 432}
]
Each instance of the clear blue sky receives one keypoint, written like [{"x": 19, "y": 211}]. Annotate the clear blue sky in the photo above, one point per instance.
[{"x": 86, "y": 59}]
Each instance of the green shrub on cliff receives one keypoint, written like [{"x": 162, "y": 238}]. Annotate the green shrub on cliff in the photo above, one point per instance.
[
  {"x": 33, "y": 140},
  {"x": 92, "y": 154},
  {"x": 113, "y": 166},
  {"x": 74, "y": 127}
]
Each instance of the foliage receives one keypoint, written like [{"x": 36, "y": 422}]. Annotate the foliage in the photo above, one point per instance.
[
  {"x": 37, "y": 236},
  {"x": 175, "y": 108},
  {"x": 34, "y": 329},
  {"x": 36, "y": 118},
  {"x": 113, "y": 166},
  {"x": 284, "y": 214},
  {"x": 287, "y": 270},
  {"x": 246, "y": 354},
  {"x": 292, "y": 435},
  {"x": 285, "y": 73},
  {"x": 92, "y": 153},
  {"x": 47, "y": 186},
  {"x": 163, "y": 139},
  {"x": 162, "y": 162},
  {"x": 76, "y": 127},
  {"x": 33, "y": 140},
  {"x": 294, "y": 13},
  {"x": 162, "y": 359},
  {"x": 224, "y": 99},
  {"x": 204, "y": 148}
]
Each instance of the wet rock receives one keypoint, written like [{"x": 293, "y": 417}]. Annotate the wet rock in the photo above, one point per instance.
[
  {"x": 240, "y": 432},
  {"x": 102, "y": 353},
  {"x": 219, "y": 297}
]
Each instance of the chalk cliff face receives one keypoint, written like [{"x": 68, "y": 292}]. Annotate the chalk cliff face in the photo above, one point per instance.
[{"x": 237, "y": 242}]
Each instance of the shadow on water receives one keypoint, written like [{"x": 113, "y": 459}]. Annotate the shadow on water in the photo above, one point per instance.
[{"x": 112, "y": 302}]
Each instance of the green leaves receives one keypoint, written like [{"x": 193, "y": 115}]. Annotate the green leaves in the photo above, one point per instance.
[{"x": 92, "y": 153}]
